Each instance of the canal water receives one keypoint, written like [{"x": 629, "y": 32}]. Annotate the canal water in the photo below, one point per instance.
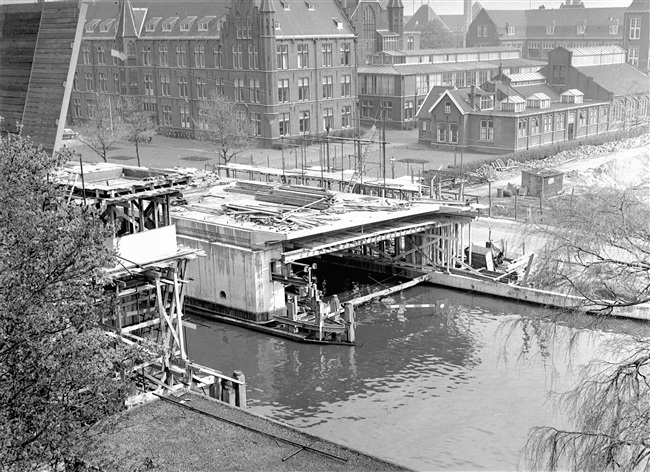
[{"x": 456, "y": 387}]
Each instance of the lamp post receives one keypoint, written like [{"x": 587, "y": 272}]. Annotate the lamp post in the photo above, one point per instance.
[{"x": 392, "y": 167}]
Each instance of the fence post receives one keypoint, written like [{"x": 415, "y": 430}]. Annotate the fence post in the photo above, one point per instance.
[
  {"x": 215, "y": 389},
  {"x": 228, "y": 393},
  {"x": 489, "y": 199},
  {"x": 240, "y": 389}
]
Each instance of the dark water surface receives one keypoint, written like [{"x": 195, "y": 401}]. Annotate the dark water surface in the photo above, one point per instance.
[{"x": 441, "y": 389}]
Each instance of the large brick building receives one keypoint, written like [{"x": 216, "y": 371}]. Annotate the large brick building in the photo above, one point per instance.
[
  {"x": 396, "y": 83},
  {"x": 579, "y": 93},
  {"x": 291, "y": 65},
  {"x": 537, "y": 32}
]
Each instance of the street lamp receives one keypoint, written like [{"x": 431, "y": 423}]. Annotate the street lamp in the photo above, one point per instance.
[{"x": 392, "y": 167}]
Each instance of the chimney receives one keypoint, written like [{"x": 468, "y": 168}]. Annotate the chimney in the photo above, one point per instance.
[
  {"x": 472, "y": 96},
  {"x": 467, "y": 11}
]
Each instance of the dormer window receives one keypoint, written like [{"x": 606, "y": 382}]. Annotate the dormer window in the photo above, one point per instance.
[
  {"x": 277, "y": 25},
  {"x": 187, "y": 23},
  {"x": 338, "y": 23},
  {"x": 580, "y": 29},
  {"x": 538, "y": 100},
  {"x": 550, "y": 29},
  {"x": 169, "y": 23},
  {"x": 90, "y": 27},
  {"x": 285, "y": 4},
  {"x": 511, "y": 30},
  {"x": 613, "y": 29},
  {"x": 204, "y": 23},
  {"x": 572, "y": 96},
  {"x": 310, "y": 6},
  {"x": 514, "y": 103},
  {"x": 152, "y": 24},
  {"x": 106, "y": 25},
  {"x": 487, "y": 102}
]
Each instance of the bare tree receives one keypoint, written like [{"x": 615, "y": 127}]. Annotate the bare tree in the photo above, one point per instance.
[
  {"x": 104, "y": 125},
  {"x": 598, "y": 247},
  {"x": 142, "y": 125},
  {"x": 225, "y": 127}
]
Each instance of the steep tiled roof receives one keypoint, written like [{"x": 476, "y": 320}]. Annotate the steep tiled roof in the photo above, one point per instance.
[
  {"x": 326, "y": 19},
  {"x": 571, "y": 16},
  {"x": 620, "y": 79},
  {"x": 146, "y": 18},
  {"x": 503, "y": 18},
  {"x": 457, "y": 22},
  {"x": 459, "y": 97},
  {"x": 529, "y": 90},
  {"x": 596, "y": 20},
  {"x": 422, "y": 16}
]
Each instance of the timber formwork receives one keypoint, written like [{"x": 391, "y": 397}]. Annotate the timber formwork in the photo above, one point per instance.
[
  {"x": 150, "y": 278},
  {"x": 262, "y": 241}
]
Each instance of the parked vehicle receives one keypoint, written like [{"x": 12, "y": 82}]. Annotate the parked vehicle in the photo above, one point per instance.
[{"x": 69, "y": 134}]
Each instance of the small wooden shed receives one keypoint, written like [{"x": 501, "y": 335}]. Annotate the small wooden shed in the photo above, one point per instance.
[{"x": 542, "y": 182}]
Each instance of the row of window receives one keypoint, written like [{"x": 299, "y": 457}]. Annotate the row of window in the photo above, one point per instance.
[
  {"x": 634, "y": 33},
  {"x": 181, "y": 55},
  {"x": 448, "y": 132},
  {"x": 367, "y": 110},
  {"x": 302, "y": 55},
  {"x": 239, "y": 86},
  {"x": 185, "y": 119}
]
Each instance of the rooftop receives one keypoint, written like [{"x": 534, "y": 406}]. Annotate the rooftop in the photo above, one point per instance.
[{"x": 278, "y": 212}]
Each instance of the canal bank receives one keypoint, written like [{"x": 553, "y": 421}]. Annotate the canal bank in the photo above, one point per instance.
[{"x": 190, "y": 431}]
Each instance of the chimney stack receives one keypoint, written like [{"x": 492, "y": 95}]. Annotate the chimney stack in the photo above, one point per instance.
[{"x": 467, "y": 11}]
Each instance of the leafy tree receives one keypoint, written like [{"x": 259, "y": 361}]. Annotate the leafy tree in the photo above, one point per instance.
[
  {"x": 598, "y": 247},
  {"x": 142, "y": 125},
  {"x": 57, "y": 366},
  {"x": 104, "y": 125},
  {"x": 224, "y": 127},
  {"x": 436, "y": 35}
]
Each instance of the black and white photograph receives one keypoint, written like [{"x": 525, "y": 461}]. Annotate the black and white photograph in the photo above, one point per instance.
[{"x": 324, "y": 235}]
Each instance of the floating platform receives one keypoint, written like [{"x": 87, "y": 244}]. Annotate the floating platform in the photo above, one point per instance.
[{"x": 278, "y": 327}]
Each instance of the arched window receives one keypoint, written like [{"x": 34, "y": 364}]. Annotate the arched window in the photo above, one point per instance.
[
  {"x": 130, "y": 48},
  {"x": 369, "y": 29}
]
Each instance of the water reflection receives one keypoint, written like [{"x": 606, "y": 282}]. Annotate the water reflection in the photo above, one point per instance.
[{"x": 423, "y": 388}]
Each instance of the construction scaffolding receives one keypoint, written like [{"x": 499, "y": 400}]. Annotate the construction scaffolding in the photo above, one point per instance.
[{"x": 150, "y": 278}]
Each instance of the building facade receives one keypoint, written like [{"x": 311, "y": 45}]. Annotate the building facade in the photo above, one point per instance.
[
  {"x": 379, "y": 26},
  {"x": 537, "y": 32},
  {"x": 636, "y": 34},
  {"x": 291, "y": 65},
  {"x": 395, "y": 84},
  {"x": 561, "y": 102}
]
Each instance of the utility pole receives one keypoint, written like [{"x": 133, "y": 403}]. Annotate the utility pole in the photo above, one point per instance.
[
  {"x": 383, "y": 144},
  {"x": 328, "y": 148}
]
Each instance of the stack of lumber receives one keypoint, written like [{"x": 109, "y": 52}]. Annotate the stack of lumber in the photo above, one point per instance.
[
  {"x": 298, "y": 196},
  {"x": 252, "y": 188},
  {"x": 281, "y": 217}
]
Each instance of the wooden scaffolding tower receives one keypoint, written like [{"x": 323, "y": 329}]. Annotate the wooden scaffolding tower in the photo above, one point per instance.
[{"x": 150, "y": 278}]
